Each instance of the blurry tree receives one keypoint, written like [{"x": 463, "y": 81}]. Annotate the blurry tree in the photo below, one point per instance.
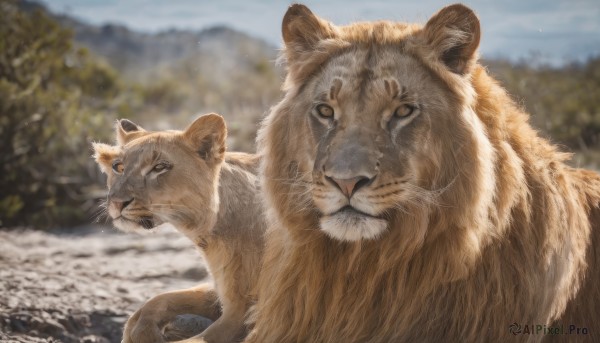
[{"x": 52, "y": 98}]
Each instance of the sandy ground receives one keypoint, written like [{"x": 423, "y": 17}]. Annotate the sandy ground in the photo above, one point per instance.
[{"x": 81, "y": 286}]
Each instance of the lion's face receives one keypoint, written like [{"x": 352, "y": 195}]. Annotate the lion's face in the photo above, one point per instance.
[
  {"x": 163, "y": 177},
  {"x": 375, "y": 127},
  {"x": 372, "y": 114}
]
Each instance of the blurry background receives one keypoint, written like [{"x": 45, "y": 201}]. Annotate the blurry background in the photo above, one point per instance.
[{"x": 69, "y": 68}]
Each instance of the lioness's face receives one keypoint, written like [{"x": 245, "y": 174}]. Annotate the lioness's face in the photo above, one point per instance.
[
  {"x": 160, "y": 177},
  {"x": 380, "y": 121},
  {"x": 149, "y": 184}
]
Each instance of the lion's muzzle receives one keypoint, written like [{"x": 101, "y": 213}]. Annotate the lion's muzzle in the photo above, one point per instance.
[{"x": 347, "y": 168}]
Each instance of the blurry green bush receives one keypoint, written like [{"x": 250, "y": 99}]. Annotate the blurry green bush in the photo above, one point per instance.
[
  {"x": 564, "y": 102},
  {"x": 52, "y": 98}
]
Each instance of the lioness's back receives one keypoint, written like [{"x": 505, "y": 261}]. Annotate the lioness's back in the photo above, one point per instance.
[{"x": 246, "y": 161}]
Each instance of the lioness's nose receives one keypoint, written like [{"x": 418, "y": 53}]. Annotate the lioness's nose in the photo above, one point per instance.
[
  {"x": 120, "y": 205},
  {"x": 349, "y": 186}
]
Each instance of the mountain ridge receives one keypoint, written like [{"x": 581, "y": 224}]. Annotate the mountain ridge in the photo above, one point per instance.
[{"x": 137, "y": 55}]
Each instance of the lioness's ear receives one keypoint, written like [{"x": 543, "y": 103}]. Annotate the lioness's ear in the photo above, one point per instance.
[
  {"x": 207, "y": 135},
  {"x": 104, "y": 155},
  {"x": 454, "y": 34},
  {"x": 302, "y": 31},
  {"x": 126, "y": 130}
]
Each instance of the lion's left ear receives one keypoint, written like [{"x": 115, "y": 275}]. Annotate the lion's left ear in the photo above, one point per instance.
[
  {"x": 454, "y": 35},
  {"x": 207, "y": 135}
]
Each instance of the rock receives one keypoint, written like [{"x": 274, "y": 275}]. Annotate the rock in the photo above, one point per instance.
[
  {"x": 122, "y": 290},
  {"x": 80, "y": 320},
  {"x": 52, "y": 328},
  {"x": 22, "y": 322},
  {"x": 185, "y": 326},
  {"x": 94, "y": 339},
  {"x": 195, "y": 273}
]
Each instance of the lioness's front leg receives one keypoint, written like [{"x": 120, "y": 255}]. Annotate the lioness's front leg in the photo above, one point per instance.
[{"x": 145, "y": 325}]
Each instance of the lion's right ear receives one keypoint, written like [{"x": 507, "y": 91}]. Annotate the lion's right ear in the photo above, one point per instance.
[
  {"x": 104, "y": 155},
  {"x": 207, "y": 135},
  {"x": 126, "y": 131},
  {"x": 302, "y": 31}
]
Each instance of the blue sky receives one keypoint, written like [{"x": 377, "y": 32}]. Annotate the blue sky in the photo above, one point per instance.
[{"x": 553, "y": 30}]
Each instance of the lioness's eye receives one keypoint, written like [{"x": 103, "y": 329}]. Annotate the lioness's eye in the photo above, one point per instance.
[
  {"x": 325, "y": 111},
  {"x": 161, "y": 167},
  {"x": 118, "y": 167},
  {"x": 404, "y": 111}
]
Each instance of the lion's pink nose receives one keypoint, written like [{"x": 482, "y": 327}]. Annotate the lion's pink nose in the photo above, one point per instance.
[{"x": 349, "y": 186}]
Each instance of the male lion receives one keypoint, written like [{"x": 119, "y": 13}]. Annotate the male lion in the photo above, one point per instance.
[
  {"x": 409, "y": 199},
  {"x": 187, "y": 179}
]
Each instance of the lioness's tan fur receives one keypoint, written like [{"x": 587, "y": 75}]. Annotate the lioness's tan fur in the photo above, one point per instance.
[
  {"x": 507, "y": 232},
  {"x": 211, "y": 198}
]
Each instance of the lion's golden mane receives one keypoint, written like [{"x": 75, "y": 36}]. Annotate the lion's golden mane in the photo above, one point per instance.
[{"x": 513, "y": 237}]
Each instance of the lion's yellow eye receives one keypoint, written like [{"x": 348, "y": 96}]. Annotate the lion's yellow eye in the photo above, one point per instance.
[
  {"x": 325, "y": 111},
  {"x": 118, "y": 167},
  {"x": 404, "y": 111}
]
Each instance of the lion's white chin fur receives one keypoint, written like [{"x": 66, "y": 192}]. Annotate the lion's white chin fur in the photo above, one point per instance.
[{"x": 352, "y": 227}]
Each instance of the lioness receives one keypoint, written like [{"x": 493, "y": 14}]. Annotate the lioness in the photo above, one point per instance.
[
  {"x": 409, "y": 198},
  {"x": 188, "y": 180}
]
